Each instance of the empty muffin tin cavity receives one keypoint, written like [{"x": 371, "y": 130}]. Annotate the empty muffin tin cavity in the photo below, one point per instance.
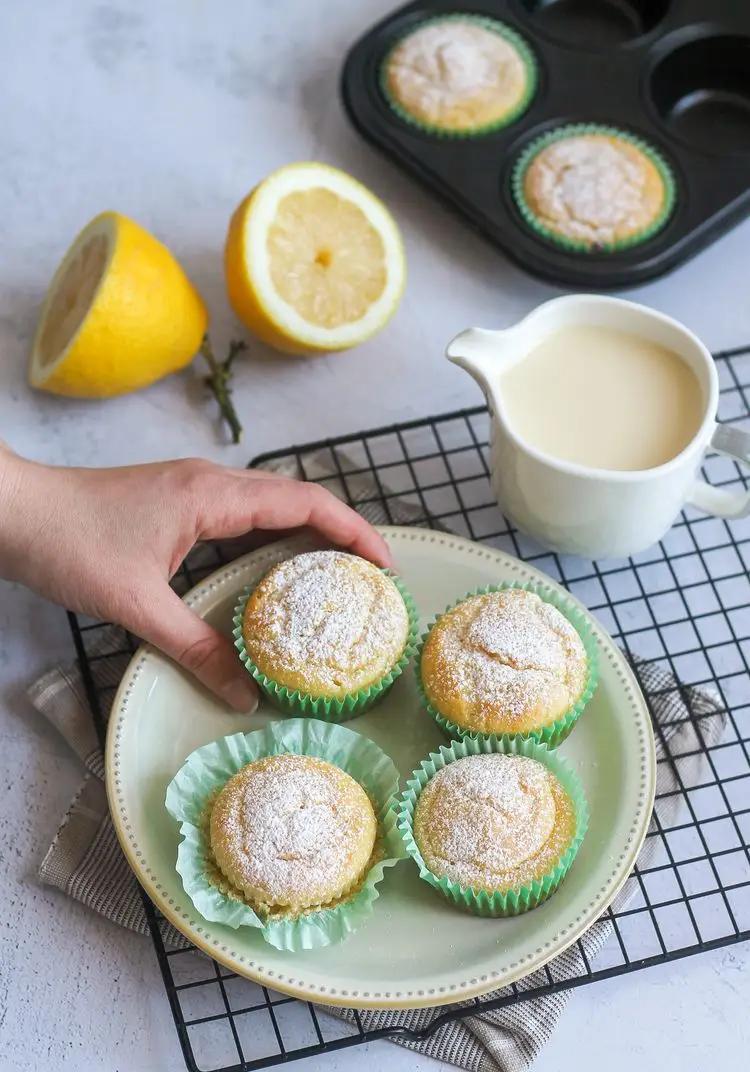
[
  {"x": 701, "y": 91},
  {"x": 596, "y": 23}
]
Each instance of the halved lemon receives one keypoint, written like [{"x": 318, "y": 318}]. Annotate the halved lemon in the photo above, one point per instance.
[
  {"x": 313, "y": 260},
  {"x": 119, "y": 314}
]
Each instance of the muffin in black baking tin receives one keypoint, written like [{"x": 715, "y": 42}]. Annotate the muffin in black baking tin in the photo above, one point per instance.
[
  {"x": 593, "y": 188},
  {"x": 459, "y": 75}
]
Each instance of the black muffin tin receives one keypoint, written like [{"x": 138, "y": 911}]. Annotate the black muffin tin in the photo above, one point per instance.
[{"x": 675, "y": 72}]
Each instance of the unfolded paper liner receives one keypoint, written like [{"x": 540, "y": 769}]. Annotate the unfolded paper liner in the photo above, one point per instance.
[
  {"x": 513, "y": 38},
  {"x": 327, "y": 708},
  {"x": 209, "y": 768},
  {"x": 501, "y": 902},
  {"x": 576, "y": 245},
  {"x": 555, "y": 732}
]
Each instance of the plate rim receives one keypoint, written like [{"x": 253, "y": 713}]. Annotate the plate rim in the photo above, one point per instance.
[{"x": 394, "y": 999}]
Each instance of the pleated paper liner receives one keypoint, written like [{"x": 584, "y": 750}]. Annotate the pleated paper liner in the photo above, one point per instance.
[
  {"x": 578, "y": 245},
  {"x": 208, "y": 769},
  {"x": 511, "y": 902},
  {"x": 494, "y": 26},
  {"x": 553, "y": 733},
  {"x": 324, "y": 707}
]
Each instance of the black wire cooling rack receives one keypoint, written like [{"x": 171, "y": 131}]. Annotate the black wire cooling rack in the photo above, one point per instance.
[{"x": 683, "y": 605}]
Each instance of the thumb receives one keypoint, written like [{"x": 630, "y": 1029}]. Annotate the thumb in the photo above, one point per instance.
[{"x": 170, "y": 625}]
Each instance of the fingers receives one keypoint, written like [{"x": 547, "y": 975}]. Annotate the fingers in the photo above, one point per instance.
[
  {"x": 276, "y": 504},
  {"x": 169, "y": 624}
]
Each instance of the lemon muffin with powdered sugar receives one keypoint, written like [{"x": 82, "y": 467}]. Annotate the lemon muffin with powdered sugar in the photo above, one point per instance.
[
  {"x": 493, "y": 822},
  {"x": 459, "y": 75},
  {"x": 505, "y": 662},
  {"x": 292, "y": 833},
  {"x": 593, "y": 188},
  {"x": 326, "y": 632}
]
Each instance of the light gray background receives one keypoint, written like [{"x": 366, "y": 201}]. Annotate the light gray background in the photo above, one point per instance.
[{"x": 171, "y": 112}]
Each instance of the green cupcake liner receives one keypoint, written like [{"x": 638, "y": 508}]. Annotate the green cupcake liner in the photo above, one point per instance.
[
  {"x": 480, "y": 902},
  {"x": 208, "y": 769},
  {"x": 577, "y": 245},
  {"x": 324, "y": 707},
  {"x": 511, "y": 36},
  {"x": 555, "y": 732}
]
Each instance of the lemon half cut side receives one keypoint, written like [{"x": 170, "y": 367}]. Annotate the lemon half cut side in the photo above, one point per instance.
[
  {"x": 120, "y": 313},
  {"x": 314, "y": 261}
]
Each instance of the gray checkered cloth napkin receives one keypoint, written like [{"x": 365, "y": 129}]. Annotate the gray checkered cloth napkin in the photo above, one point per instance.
[{"x": 85, "y": 860}]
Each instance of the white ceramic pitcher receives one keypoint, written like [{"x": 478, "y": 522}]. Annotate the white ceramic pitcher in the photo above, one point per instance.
[{"x": 587, "y": 511}]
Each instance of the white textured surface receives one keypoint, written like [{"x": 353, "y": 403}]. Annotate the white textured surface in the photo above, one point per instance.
[{"x": 171, "y": 112}]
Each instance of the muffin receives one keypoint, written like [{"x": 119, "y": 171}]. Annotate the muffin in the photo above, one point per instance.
[
  {"x": 287, "y": 830},
  {"x": 592, "y": 188},
  {"x": 459, "y": 75},
  {"x": 493, "y": 825},
  {"x": 493, "y": 822},
  {"x": 504, "y": 662},
  {"x": 292, "y": 833},
  {"x": 326, "y": 633}
]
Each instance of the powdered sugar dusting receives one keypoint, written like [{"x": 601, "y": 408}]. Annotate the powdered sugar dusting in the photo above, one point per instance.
[
  {"x": 331, "y": 618},
  {"x": 594, "y": 188},
  {"x": 457, "y": 72},
  {"x": 481, "y": 818},
  {"x": 503, "y": 656},
  {"x": 518, "y": 638},
  {"x": 292, "y": 830}
]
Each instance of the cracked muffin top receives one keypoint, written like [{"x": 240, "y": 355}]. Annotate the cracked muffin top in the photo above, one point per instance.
[
  {"x": 597, "y": 190},
  {"x": 504, "y": 662},
  {"x": 493, "y": 822}
]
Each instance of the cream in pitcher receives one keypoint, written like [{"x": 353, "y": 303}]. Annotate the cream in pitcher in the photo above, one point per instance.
[
  {"x": 604, "y": 398},
  {"x": 601, "y": 413}
]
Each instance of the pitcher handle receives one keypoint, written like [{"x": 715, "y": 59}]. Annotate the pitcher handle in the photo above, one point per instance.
[{"x": 735, "y": 443}]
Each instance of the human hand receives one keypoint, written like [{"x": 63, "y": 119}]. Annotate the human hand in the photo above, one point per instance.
[{"x": 105, "y": 542}]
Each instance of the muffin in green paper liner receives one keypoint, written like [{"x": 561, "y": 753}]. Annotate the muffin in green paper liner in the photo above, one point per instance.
[
  {"x": 512, "y": 665},
  {"x": 325, "y": 634},
  {"x": 190, "y": 798},
  {"x": 501, "y": 825},
  {"x": 459, "y": 75},
  {"x": 593, "y": 188}
]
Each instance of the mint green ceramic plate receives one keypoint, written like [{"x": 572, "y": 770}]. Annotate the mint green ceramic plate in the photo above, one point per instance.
[{"x": 416, "y": 950}]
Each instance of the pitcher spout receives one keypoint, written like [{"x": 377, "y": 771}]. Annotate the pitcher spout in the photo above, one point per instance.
[{"x": 479, "y": 352}]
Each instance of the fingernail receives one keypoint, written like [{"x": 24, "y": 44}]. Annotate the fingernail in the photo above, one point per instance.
[
  {"x": 241, "y": 694},
  {"x": 386, "y": 559}
]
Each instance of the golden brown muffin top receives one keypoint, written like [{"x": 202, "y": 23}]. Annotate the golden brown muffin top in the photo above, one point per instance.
[
  {"x": 326, "y": 623},
  {"x": 456, "y": 74},
  {"x": 292, "y": 831},
  {"x": 504, "y": 662},
  {"x": 596, "y": 189},
  {"x": 493, "y": 821}
]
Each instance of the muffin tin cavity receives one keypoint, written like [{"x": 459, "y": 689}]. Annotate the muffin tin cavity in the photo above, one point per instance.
[
  {"x": 701, "y": 90},
  {"x": 671, "y": 74},
  {"x": 596, "y": 23}
]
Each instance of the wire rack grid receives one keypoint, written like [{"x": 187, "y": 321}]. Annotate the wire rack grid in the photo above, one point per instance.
[{"x": 683, "y": 605}]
